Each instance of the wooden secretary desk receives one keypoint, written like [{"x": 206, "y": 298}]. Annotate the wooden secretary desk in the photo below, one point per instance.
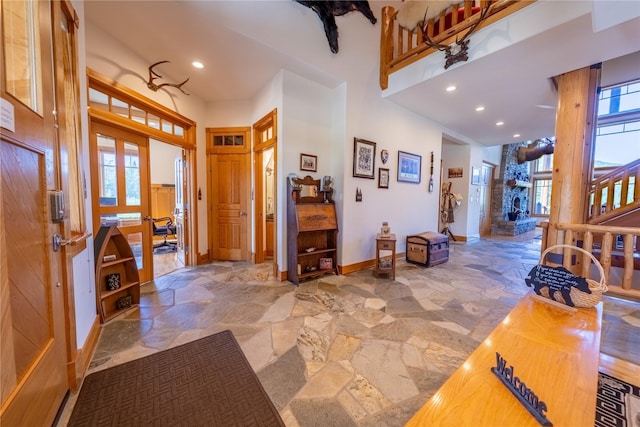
[{"x": 312, "y": 228}]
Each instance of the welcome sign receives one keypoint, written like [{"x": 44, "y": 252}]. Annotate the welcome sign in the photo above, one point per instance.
[{"x": 524, "y": 394}]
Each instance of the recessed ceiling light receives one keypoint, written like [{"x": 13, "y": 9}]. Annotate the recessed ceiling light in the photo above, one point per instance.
[
  {"x": 516, "y": 135},
  {"x": 500, "y": 123},
  {"x": 197, "y": 64},
  {"x": 451, "y": 88},
  {"x": 480, "y": 108}
]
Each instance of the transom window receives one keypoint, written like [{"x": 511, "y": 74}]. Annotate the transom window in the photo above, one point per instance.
[{"x": 104, "y": 101}]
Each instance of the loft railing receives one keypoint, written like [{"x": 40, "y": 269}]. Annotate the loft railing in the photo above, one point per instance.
[
  {"x": 615, "y": 194},
  {"x": 399, "y": 47},
  {"x": 614, "y": 242}
]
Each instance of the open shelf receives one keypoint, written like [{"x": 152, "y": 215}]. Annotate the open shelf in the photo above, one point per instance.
[{"x": 121, "y": 272}]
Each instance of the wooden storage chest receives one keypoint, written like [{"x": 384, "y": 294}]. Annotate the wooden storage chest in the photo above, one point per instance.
[{"x": 428, "y": 249}]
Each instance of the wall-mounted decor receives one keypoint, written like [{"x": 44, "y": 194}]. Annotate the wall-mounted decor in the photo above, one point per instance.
[
  {"x": 383, "y": 178},
  {"x": 358, "y": 194},
  {"x": 328, "y": 10},
  {"x": 475, "y": 176},
  {"x": 153, "y": 75},
  {"x": 384, "y": 156},
  {"x": 308, "y": 162},
  {"x": 455, "y": 173},
  {"x": 364, "y": 158},
  {"x": 409, "y": 166}
]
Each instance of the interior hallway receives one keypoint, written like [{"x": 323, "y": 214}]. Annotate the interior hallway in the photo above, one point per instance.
[{"x": 348, "y": 350}]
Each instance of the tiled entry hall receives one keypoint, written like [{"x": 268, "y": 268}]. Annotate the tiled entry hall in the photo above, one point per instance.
[{"x": 348, "y": 350}]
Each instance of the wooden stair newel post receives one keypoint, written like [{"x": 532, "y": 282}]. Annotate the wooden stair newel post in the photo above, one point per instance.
[{"x": 575, "y": 125}]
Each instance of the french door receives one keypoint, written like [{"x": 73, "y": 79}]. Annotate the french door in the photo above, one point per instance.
[{"x": 120, "y": 188}]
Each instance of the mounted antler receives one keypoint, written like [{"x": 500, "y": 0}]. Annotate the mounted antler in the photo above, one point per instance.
[
  {"x": 458, "y": 51},
  {"x": 153, "y": 76}
]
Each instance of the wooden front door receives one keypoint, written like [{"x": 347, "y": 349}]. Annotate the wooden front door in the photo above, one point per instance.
[
  {"x": 486, "y": 180},
  {"x": 33, "y": 380},
  {"x": 229, "y": 193},
  {"x": 121, "y": 191}
]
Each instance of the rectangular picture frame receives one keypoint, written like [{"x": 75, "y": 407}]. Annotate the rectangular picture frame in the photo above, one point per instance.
[
  {"x": 383, "y": 178},
  {"x": 455, "y": 173},
  {"x": 409, "y": 167},
  {"x": 308, "y": 162},
  {"x": 364, "y": 158},
  {"x": 475, "y": 176},
  {"x": 326, "y": 263}
]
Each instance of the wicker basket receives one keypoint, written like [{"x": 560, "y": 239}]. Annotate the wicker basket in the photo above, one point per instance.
[{"x": 579, "y": 298}]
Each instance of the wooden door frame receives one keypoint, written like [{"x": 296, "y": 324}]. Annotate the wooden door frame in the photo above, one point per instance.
[
  {"x": 489, "y": 194},
  {"x": 187, "y": 141},
  {"x": 260, "y": 145}
]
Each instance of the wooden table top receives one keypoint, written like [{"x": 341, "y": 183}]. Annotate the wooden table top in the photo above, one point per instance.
[{"x": 554, "y": 352}]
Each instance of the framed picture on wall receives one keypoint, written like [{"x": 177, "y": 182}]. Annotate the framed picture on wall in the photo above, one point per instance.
[
  {"x": 308, "y": 162},
  {"x": 409, "y": 166},
  {"x": 475, "y": 176},
  {"x": 383, "y": 178},
  {"x": 364, "y": 158},
  {"x": 455, "y": 173}
]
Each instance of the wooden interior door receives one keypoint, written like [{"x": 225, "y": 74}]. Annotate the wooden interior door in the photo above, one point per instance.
[
  {"x": 231, "y": 190},
  {"x": 229, "y": 193},
  {"x": 121, "y": 190},
  {"x": 486, "y": 180},
  {"x": 33, "y": 373}
]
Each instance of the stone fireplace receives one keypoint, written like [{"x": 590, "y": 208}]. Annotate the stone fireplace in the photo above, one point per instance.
[{"x": 511, "y": 194}]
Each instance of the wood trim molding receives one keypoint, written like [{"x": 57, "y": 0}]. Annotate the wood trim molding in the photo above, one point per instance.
[
  {"x": 77, "y": 367},
  {"x": 97, "y": 80}
]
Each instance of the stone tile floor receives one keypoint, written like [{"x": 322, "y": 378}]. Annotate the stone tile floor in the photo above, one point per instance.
[{"x": 347, "y": 350}]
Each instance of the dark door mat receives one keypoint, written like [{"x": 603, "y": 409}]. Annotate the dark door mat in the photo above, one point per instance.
[{"x": 205, "y": 382}]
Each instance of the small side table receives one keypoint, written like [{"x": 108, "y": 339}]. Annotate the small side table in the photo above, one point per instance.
[{"x": 385, "y": 261}]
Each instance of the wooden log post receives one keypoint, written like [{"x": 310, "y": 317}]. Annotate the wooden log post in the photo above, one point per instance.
[
  {"x": 575, "y": 125},
  {"x": 386, "y": 44}
]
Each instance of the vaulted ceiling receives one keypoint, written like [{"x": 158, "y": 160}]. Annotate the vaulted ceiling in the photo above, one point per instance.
[{"x": 243, "y": 44}]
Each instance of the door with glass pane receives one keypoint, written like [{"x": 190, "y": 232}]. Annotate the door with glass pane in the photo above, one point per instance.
[
  {"x": 120, "y": 188},
  {"x": 33, "y": 338}
]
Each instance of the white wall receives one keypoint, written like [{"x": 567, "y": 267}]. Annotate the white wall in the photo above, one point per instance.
[
  {"x": 408, "y": 208},
  {"x": 306, "y": 128},
  {"x": 162, "y": 159}
]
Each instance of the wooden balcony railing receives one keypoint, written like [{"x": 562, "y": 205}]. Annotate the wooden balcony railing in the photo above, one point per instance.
[
  {"x": 614, "y": 194},
  {"x": 399, "y": 47},
  {"x": 620, "y": 242}
]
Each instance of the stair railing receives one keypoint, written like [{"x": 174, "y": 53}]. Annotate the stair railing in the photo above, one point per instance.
[
  {"x": 618, "y": 246},
  {"x": 614, "y": 194},
  {"x": 400, "y": 47}
]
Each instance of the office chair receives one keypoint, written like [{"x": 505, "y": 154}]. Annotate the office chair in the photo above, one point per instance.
[{"x": 164, "y": 227}]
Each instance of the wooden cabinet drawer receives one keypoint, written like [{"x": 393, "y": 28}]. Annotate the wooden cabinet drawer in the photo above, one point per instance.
[
  {"x": 316, "y": 216},
  {"x": 386, "y": 245}
]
